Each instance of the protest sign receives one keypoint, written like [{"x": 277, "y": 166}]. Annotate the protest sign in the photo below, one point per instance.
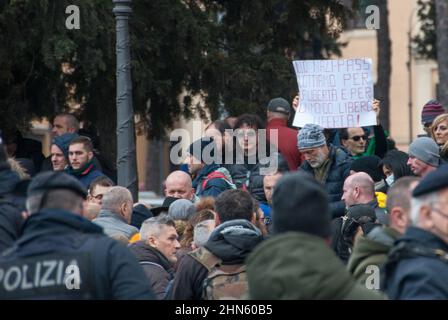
[{"x": 335, "y": 93}]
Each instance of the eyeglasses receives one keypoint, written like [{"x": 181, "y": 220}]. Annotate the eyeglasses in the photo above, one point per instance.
[{"x": 357, "y": 138}]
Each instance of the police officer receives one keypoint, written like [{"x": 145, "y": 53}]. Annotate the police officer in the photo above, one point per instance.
[{"x": 62, "y": 255}]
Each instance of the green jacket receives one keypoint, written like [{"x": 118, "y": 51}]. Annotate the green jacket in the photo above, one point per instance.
[
  {"x": 371, "y": 250},
  {"x": 296, "y": 265}
]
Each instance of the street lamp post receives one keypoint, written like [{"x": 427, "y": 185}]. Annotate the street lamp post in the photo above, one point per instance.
[{"x": 126, "y": 160}]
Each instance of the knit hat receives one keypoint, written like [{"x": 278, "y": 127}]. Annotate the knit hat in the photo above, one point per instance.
[
  {"x": 181, "y": 209},
  {"x": 369, "y": 165},
  {"x": 311, "y": 136},
  {"x": 431, "y": 110},
  {"x": 197, "y": 148},
  {"x": 300, "y": 203},
  {"x": 425, "y": 149},
  {"x": 63, "y": 142},
  {"x": 279, "y": 105}
]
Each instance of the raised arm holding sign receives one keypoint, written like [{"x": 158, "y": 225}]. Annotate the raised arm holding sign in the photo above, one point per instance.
[{"x": 335, "y": 93}]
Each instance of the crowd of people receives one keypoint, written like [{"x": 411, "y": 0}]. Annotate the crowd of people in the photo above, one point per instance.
[{"x": 319, "y": 214}]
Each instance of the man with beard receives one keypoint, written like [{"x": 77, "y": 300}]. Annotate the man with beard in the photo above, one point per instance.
[{"x": 328, "y": 164}]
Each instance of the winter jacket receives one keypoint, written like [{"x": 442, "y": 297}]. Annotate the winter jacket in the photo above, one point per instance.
[
  {"x": 296, "y": 265},
  {"x": 248, "y": 177},
  {"x": 371, "y": 250},
  {"x": 214, "y": 186},
  {"x": 10, "y": 214},
  {"x": 57, "y": 243},
  {"x": 231, "y": 241},
  {"x": 87, "y": 175},
  {"x": 287, "y": 142},
  {"x": 417, "y": 277},
  {"x": 114, "y": 226},
  {"x": 157, "y": 268},
  {"x": 334, "y": 183}
]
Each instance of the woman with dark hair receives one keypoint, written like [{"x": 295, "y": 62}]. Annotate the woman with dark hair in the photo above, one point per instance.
[
  {"x": 395, "y": 166},
  {"x": 221, "y": 132},
  {"x": 254, "y": 155}
]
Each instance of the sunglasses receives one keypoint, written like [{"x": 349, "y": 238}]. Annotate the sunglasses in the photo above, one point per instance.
[{"x": 357, "y": 138}]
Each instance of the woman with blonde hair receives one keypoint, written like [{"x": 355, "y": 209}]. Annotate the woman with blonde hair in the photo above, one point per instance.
[{"x": 439, "y": 132}]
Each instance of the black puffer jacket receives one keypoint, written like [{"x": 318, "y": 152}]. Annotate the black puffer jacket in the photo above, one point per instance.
[
  {"x": 248, "y": 176},
  {"x": 157, "y": 268},
  {"x": 334, "y": 183}
]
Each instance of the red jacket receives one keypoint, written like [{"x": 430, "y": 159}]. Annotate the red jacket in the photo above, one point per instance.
[{"x": 287, "y": 142}]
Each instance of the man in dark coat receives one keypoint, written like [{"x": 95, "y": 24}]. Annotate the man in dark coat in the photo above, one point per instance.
[
  {"x": 82, "y": 166},
  {"x": 417, "y": 266},
  {"x": 157, "y": 252},
  {"x": 209, "y": 179},
  {"x": 296, "y": 262},
  {"x": 233, "y": 239},
  {"x": 327, "y": 164},
  {"x": 62, "y": 255}
]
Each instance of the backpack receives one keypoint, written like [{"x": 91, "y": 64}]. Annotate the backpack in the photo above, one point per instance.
[
  {"x": 220, "y": 173},
  {"x": 223, "y": 282}
]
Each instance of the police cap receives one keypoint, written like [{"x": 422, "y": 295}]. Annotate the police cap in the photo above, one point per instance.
[{"x": 432, "y": 182}]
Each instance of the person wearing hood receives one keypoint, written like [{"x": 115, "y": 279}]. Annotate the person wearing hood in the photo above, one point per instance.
[
  {"x": 231, "y": 242},
  {"x": 156, "y": 252},
  {"x": 209, "y": 179},
  {"x": 297, "y": 262},
  {"x": 59, "y": 151}
]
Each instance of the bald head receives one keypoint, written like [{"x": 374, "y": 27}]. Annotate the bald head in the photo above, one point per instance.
[
  {"x": 178, "y": 184},
  {"x": 358, "y": 188}
]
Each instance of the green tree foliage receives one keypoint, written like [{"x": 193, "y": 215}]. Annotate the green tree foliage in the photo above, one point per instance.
[
  {"x": 425, "y": 40},
  {"x": 235, "y": 54},
  {"x": 254, "y": 44}
]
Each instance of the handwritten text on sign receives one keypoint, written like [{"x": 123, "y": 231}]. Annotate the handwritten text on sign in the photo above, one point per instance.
[{"x": 335, "y": 93}]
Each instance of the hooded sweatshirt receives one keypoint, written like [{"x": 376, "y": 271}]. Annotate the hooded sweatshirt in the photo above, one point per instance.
[
  {"x": 371, "y": 250},
  {"x": 231, "y": 241},
  {"x": 296, "y": 265}
]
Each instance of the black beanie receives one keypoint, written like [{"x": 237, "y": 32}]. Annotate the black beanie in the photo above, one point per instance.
[
  {"x": 196, "y": 149},
  {"x": 300, "y": 203},
  {"x": 369, "y": 165}
]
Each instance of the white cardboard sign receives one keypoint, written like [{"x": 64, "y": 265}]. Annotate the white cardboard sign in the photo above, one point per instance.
[{"x": 335, "y": 93}]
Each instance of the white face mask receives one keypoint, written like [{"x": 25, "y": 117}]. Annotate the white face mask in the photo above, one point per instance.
[{"x": 390, "y": 180}]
